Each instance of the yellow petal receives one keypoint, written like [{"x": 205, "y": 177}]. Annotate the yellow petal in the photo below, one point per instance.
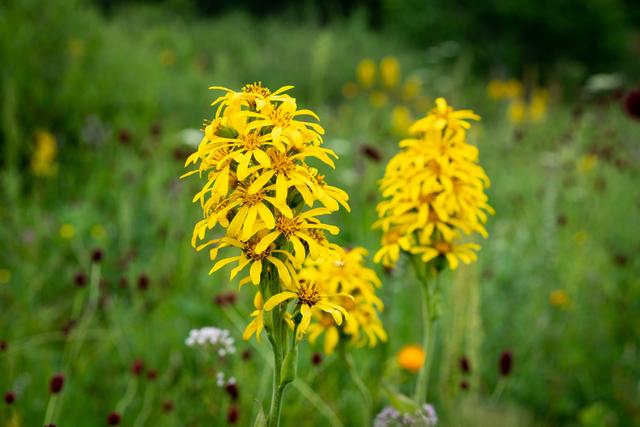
[
  {"x": 255, "y": 271},
  {"x": 277, "y": 299}
]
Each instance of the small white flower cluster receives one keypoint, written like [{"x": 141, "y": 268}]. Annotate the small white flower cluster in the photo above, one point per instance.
[
  {"x": 221, "y": 382},
  {"x": 221, "y": 339}
]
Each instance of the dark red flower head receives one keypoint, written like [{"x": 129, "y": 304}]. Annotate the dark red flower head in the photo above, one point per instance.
[
  {"x": 632, "y": 103},
  {"x": 56, "y": 384},
  {"x": 3, "y": 345},
  {"x": 113, "y": 419},
  {"x": 50, "y": 425},
  {"x": 233, "y": 414},
  {"x": 464, "y": 385},
  {"x": 465, "y": 365},
  {"x": 506, "y": 363},
  {"x": 232, "y": 390},
  {"x": 137, "y": 367},
  {"x": 9, "y": 397},
  {"x": 96, "y": 255},
  {"x": 246, "y": 355},
  {"x": 124, "y": 136},
  {"x": 80, "y": 279},
  {"x": 143, "y": 282},
  {"x": 152, "y": 375},
  {"x": 372, "y": 153},
  {"x": 167, "y": 406},
  {"x": 316, "y": 358}
]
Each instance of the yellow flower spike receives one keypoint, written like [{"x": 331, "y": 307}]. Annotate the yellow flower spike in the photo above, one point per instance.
[
  {"x": 400, "y": 120},
  {"x": 378, "y": 99},
  {"x": 366, "y": 73},
  {"x": 588, "y": 162},
  {"x": 411, "y": 88},
  {"x": 496, "y": 89},
  {"x": 390, "y": 72},
  {"x": 262, "y": 200},
  {"x": 43, "y": 159},
  {"x": 411, "y": 358},
  {"x": 433, "y": 192}
]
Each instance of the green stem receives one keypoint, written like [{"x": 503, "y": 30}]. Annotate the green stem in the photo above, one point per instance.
[
  {"x": 51, "y": 407},
  {"x": 362, "y": 388},
  {"x": 422, "y": 383},
  {"x": 276, "y": 391}
]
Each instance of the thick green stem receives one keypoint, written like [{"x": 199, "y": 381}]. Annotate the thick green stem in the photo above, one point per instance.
[
  {"x": 276, "y": 391},
  {"x": 422, "y": 383}
]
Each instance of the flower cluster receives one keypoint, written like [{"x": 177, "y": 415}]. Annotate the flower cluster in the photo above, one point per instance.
[
  {"x": 423, "y": 416},
  {"x": 433, "y": 192},
  {"x": 383, "y": 85},
  {"x": 220, "y": 339},
  {"x": 263, "y": 195},
  {"x": 523, "y": 106},
  {"x": 354, "y": 287}
]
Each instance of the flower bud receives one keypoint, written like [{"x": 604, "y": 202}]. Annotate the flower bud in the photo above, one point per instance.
[{"x": 290, "y": 366}]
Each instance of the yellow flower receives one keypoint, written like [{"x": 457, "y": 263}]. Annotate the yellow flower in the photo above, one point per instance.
[
  {"x": 5, "y": 276},
  {"x": 559, "y": 299},
  {"x": 517, "y": 111},
  {"x": 346, "y": 274},
  {"x": 67, "y": 231},
  {"x": 256, "y": 326},
  {"x": 378, "y": 99},
  {"x": 76, "y": 48},
  {"x": 309, "y": 295},
  {"x": 390, "y": 72},
  {"x": 411, "y": 358},
  {"x": 43, "y": 159},
  {"x": 433, "y": 192},
  {"x": 538, "y": 105},
  {"x": 496, "y": 89},
  {"x": 366, "y": 73},
  {"x": 400, "y": 120},
  {"x": 411, "y": 88},
  {"x": 512, "y": 88},
  {"x": 588, "y": 162}
]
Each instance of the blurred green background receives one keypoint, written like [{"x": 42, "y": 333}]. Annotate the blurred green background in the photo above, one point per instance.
[{"x": 101, "y": 102}]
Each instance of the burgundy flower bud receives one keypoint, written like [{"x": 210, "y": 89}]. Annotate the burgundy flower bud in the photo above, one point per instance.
[
  {"x": 156, "y": 129},
  {"x": 124, "y": 136},
  {"x": 232, "y": 390},
  {"x": 506, "y": 363},
  {"x": 80, "y": 279},
  {"x": 167, "y": 406},
  {"x": 465, "y": 365},
  {"x": 143, "y": 282},
  {"x": 137, "y": 367},
  {"x": 316, "y": 358},
  {"x": 372, "y": 153},
  {"x": 50, "y": 425},
  {"x": 632, "y": 104},
  {"x": 233, "y": 414},
  {"x": 3, "y": 345},
  {"x": 246, "y": 355},
  {"x": 113, "y": 419},
  {"x": 231, "y": 298},
  {"x": 123, "y": 282},
  {"x": 96, "y": 255},
  {"x": 56, "y": 384},
  {"x": 464, "y": 385},
  {"x": 9, "y": 397},
  {"x": 152, "y": 375}
]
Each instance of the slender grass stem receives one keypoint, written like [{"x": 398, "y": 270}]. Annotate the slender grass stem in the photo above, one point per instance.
[
  {"x": 359, "y": 383},
  {"x": 51, "y": 408}
]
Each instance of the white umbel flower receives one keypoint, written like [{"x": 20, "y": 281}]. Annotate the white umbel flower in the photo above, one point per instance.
[{"x": 219, "y": 339}]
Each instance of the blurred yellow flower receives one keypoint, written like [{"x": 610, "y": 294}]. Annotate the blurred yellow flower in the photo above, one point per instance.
[
  {"x": 350, "y": 90},
  {"x": 400, "y": 120},
  {"x": 167, "y": 57},
  {"x": 513, "y": 88},
  {"x": 378, "y": 99},
  {"x": 495, "y": 89},
  {"x": 411, "y": 88},
  {"x": 97, "y": 232},
  {"x": 390, "y": 72},
  {"x": 76, "y": 48},
  {"x": 5, "y": 276},
  {"x": 517, "y": 111},
  {"x": 538, "y": 105},
  {"x": 588, "y": 162},
  {"x": 559, "y": 298},
  {"x": 411, "y": 358},
  {"x": 43, "y": 159},
  {"x": 67, "y": 231},
  {"x": 366, "y": 73}
]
